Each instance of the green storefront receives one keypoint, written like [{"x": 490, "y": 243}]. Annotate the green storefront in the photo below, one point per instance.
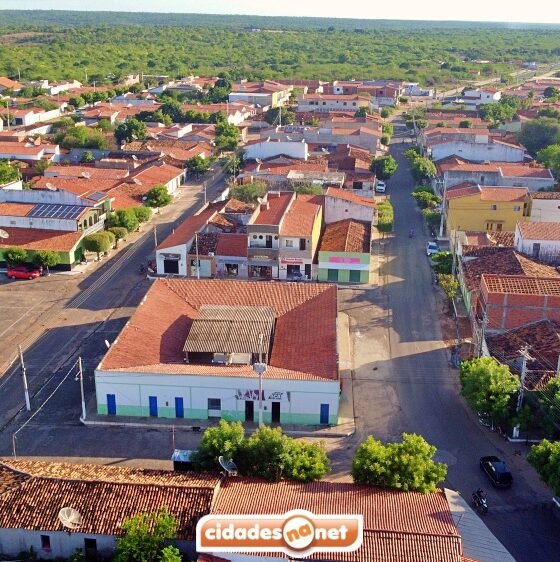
[{"x": 344, "y": 267}]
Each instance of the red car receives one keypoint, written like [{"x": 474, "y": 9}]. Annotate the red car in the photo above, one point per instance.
[{"x": 22, "y": 272}]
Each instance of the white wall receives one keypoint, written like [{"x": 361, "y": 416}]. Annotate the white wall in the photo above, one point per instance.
[
  {"x": 43, "y": 223},
  {"x": 267, "y": 149},
  {"x": 545, "y": 210},
  {"x": 134, "y": 389},
  {"x": 261, "y": 242},
  {"x": 478, "y": 152},
  {"x": 181, "y": 250},
  {"x": 14, "y": 541},
  {"x": 330, "y": 104},
  {"x": 59, "y": 197},
  {"x": 549, "y": 249},
  {"x": 338, "y": 209}
]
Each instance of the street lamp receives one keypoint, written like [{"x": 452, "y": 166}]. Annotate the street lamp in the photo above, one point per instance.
[{"x": 260, "y": 369}]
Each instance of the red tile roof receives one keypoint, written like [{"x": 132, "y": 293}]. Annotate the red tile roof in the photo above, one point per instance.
[
  {"x": 503, "y": 261},
  {"x": 34, "y": 503},
  {"x": 40, "y": 239},
  {"x": 157, "y": 174},
  {"x": 539, "y": 230},
  {"x": 347, "y": 235},
  {"x": 545, "y": 195},
  {"x": 187, "y": 229},
  {"x": 465, "y": 189},
  {"x": 12, "y": 84},
  {"x": 524, "y": 170},
  {"x": 80, "y": 187},
  {"x": 87, "y": 172},
  {"x": 521, "y": 284},
  {"x": 397, "y": 525},
  {"x": 503, "y": 193},
  {"x": 232, "y": 245},
  {"x": 15, "y": 209},
  {"x": 350, "y": 197},
  {"x": 277, "y": 204},
  {"x": 300, "y": 218},
  {"x": 305, "y": 333}
]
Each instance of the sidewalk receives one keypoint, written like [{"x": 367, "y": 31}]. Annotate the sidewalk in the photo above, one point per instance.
[{"x": 344, "y": 428}]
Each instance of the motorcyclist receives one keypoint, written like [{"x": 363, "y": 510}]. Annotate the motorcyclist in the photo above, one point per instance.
[{"x": 411, "y": 233}]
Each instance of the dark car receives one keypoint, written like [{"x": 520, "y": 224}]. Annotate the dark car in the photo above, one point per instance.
[
  {"x": 22, "y": 272},
  {"x": 497, "y": 471}
]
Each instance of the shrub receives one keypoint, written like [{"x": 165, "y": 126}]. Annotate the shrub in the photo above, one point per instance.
[
  {"x": 412, "y": 153},
  {"x": 402, "y": 99},
  {"x": 158, "y": 197},
  {"x": 433, "y": 218},
  {"x": 119, "y": 232},
  {"x": 385, "y": 216},
  {"x": 46, "y": 259},
  {"x": 126, "y": 218},
  {"x": 545, "y": 457},
  {"x": 98, "y": 242},
  {"x": 385, "y": 112},
  {"x": 143, "y": 214},
  {"x": 15, "y": 256},
  {"x": 426, "y": 200}
]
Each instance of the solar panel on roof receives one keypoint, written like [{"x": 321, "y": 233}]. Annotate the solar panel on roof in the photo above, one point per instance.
[
  {"x": 49, "y": 211},
  {"x": 96, "y": 196}
]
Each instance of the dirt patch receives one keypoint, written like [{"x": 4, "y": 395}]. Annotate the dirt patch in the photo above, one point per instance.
[
  {"x": 29, "y": 38},
  {"x": 446, "y": 319}
]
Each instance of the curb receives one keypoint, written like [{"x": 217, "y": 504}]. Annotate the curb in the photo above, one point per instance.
[{"x": 200, "y": 429}]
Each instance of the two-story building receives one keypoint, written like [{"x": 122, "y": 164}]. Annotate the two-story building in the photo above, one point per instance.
[
  {"x": 263, "y": 95},
  {"x": 333, "y": 102},
  {"x": 545, "y": 206},
  {"x": 479, "y": 208},
  {"x": 299, "y": 238},
  {"x": 263, "y": 231}
]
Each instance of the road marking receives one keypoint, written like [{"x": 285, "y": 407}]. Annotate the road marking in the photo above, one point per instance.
[{"x": 22, "y": 316}]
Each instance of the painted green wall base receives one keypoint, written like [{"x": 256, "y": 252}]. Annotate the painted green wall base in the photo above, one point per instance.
[
  {"x": 229, "y": 415},
  {"x": 343, "y": 276}
]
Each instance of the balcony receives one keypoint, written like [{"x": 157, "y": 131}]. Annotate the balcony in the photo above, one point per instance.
[{"x": 268, "y": 253}]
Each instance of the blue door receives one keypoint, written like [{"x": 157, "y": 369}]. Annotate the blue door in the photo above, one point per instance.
[
  {"x": 179, "y": 408},
  {"x": 111, "y": 405},
  {"x": 324, "y": 414},
  {"x": 153, "y": 406}
]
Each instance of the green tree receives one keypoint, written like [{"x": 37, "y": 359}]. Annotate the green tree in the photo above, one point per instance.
[
  {"x": 97, "y": 242},
  {"x": 425, "y": 199},
  {"x": 412, "y": 153},
  {"x": 197, "y": 165},
  {"x": 549, "y": 404},
  {"x": 227, "y": 136},
  {"x": 46, "y": 259},
  {"x": 305, "y": 462},
  {"x": 144, "y": 537},
  {"x": 308, "y": 189},
  {"x": 449, "y": 285},
  {"x": 158, "y": 196},
  {"x": 42, "y": 165},
  {"x": 87, "y": 157},
  {"x": 119, "y": 233},
  {"x": 443, "y": 263},
  {"x": 8, "y": 173},
  {"x": 171, "y": 554},
  {"x": 385, "y": 112},
  {"x": 423, "y": 169},
  {"x": 550, "y": 157},
  {"x": 488, "y": 386},
  {"x": 224, "y": 439},
  {"x": 130, "y": 130},
  {"x": 363, "y": 112},
  {"x": 407, "y": 466},
  {"x": 545, "y": 457},
  {"x": 432, "y": 217},
  {"x": 539, "y": 133},
  {"x": 384, "y": 167},
  {"x": 551, "y": 92},
  {"x": 385, "y": 216},
  {"x": 143, "y": 214},
  {"x": 388, "y": 129},
  {"x": 15, "y": 256},
  {"x": 465, "y": 124},
  {"x": 249, "y": 192},
  {"x": 233, "y": 165},
  {"x": 104, "y": 125},
  {"x": 126, "y": 218},
  {"x": 272, "y": 116}
]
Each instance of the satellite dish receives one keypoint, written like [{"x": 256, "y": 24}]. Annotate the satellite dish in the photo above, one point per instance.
[
  {"x": 228, "y": 465},
  {"x": 70, "y": 518},
  {"x": 86, "y": 175},
  {"x": 107, "y": 344},
  {"x": 134, "y": 157},
  {"x": 51, "y": 187},
  {"x": 4, "y": 234}
]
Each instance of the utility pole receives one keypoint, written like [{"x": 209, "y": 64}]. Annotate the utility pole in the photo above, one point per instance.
[
  {"x": 525, "y": 355},
  {"x": 482, "y": 333},
  {"x": 260, "y": 369},
  {"x": 155, "y": 236},
  {"x": 24, "y": 377},
  {"x": 81, "y": 376},
  {"x": 197, "y": 258}
]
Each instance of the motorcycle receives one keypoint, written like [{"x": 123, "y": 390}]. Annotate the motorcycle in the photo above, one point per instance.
[
  {"x": 479, "y": 501},
  {"x": 411, "y": 233}
]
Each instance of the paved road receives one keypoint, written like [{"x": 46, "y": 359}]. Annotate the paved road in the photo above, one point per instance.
[
  {"x": 403, "y": 383},
  {"x": 94, "y": 312}
]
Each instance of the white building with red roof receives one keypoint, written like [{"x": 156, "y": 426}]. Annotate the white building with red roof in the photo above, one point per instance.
[{"x": 189, "y": 352}]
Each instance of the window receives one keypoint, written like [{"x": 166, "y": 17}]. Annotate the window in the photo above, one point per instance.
[
  {"x": 289, "y": 243},
  {"x": 214, "y": 404},
  {"x": 354, "y": 103},
  {"x": 254, "y": 236},
  {"x": 302, "y": 243},
  {"x": 517, "y": 208},
  {"x": 45, "y": 542},
  {"x": 481, "y": 179},
  {"x": 260, "y": 236},
  {"x": 493, "y": 207}
]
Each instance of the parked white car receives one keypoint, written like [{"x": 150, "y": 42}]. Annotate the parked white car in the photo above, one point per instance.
[
  {"x": 380, "y": 187},
  {"x": 431, "y": 248}
]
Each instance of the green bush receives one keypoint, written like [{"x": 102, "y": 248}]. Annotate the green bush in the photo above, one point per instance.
[
  {"x": 98, "y": 242},
  {"x": 15, "y": 256},
  {"x": 425, "y": 199},
  {"x": 119, "y": 232},
  {"x": 385, "y": 112},
  {"x": 433, "y": 218},
  {"x": 385, "y": 216},
  {"x": 423, "y": 188},
  {"x": 545, "y": 457},
  {"x": 412, "y": 153},
  {"x": 143, "y": 214}
]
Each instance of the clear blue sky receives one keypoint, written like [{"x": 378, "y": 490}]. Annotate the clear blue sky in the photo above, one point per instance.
[{"x": 474, "y": 10}]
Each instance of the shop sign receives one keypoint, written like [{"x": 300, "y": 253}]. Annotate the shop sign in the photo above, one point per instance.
[{"x": 248, "y": 394}]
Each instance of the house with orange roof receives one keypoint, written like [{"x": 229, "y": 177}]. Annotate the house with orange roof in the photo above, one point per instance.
[
  {"x": 8, "y": 84},
  {"x": 261, "y": 94},
  {"x": 299, "y": 238},
  {"x": 331, "y": 102},
  {"x": 264, "y": 233},
  {"x": 345, "y": 252},
  {"x": 189, "y": 351},
  {"x": 469, "y": 206},
  {"x": 480, "y": 149},
  {"x": 540, "y": 240}
]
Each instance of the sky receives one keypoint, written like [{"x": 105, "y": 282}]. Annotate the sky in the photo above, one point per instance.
[{"x": 474, "y": 10}]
